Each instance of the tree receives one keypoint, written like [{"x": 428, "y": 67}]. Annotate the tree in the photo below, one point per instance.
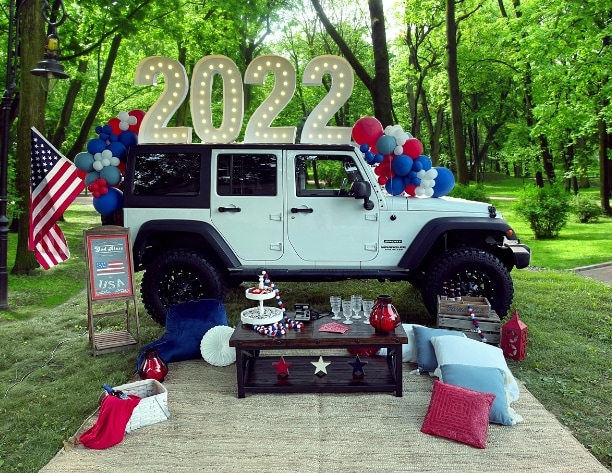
[{"x": 378, "y": 84}]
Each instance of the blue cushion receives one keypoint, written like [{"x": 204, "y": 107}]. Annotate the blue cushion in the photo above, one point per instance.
[
  {"x": 483, "y": 379},
  {"x": 426, "y": 356},
  {"x": 186, "y": 324}
]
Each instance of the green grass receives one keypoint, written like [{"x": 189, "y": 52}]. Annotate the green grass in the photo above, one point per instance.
[{"x": 50, "y": 383}]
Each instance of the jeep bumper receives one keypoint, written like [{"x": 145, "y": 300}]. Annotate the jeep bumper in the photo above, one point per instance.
[{"x": 522, "y": 254}]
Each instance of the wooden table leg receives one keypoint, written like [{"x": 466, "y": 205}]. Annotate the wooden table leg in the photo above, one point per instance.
[
  {"x": 240, "y": 371},
  {"x": 397, "y": 360}
]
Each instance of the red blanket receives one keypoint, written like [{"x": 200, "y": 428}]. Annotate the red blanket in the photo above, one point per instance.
[{"x": 109, "y": 429}]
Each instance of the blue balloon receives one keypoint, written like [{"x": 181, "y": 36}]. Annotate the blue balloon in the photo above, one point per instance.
[
  {"x": 96, "y": 145},
  {"x": 395, "y": 185},
  {"x": 370, "y": 157},
  {"x": 107, "y": 129},
  {"x": 128, "y": 138},
  {"x": 379, "y": 158},
  {"x": 111, "y": 175},
  {"x": 444, "y": 182},
  {"x": 425, "y": 162},
  {"x": 417, "y": 166},
  {"x": 364, "y": 147},
  {"x": 106, "y": 204},
  {"x": 385, "y": 144},
  {"x": 402, "y": 164},
  {"x": 84, "y": 161},
  {"x": 91, "y": 177},
  {"x": 118, "y": 149}
]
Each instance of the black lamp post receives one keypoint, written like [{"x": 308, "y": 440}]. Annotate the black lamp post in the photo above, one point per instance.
[{"x": 50, "y": 68}]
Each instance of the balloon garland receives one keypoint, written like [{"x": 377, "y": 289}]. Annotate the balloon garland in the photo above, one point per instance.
[
  {"x": 103, "y": 164},
  {"x": 399, "y": 161},
  {"x": 476, "y": 324}
]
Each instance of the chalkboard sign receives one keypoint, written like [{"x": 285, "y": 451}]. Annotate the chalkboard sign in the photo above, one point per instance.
[{"x": 109, "y": 262}]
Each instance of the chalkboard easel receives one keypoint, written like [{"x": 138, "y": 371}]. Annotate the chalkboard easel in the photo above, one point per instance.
[{"x": 110, "y": 284}]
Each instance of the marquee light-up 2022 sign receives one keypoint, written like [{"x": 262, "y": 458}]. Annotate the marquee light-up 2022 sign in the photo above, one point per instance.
[{"x": 259, "y": 129}]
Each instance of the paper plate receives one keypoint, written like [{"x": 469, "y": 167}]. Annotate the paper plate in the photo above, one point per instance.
[{"x": 215, "y": 346}]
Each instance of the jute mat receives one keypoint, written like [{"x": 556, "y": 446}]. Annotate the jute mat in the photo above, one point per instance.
[{"x": 211, "y": 430}]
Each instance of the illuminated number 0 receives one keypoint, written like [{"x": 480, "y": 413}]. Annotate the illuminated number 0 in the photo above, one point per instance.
[{"x": 201, "y": 99}]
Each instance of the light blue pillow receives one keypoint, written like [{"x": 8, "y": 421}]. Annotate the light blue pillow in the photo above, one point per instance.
[
  {"x": 483, "y": 379},
  {"x": 426, "y": 355}
]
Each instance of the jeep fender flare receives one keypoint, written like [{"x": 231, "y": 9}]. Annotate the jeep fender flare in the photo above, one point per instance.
[
  {"x": 423, "y": 243},
  {"x": 197, "y": 233}
]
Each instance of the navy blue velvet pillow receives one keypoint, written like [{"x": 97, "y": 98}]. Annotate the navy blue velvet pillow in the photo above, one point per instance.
[{"x": 186, "y": 324}]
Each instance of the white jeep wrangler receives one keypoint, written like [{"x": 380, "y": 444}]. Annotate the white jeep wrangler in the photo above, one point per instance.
[{"x": 205, "y": 216}]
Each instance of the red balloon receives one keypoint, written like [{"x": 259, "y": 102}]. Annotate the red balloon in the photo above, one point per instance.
[
  {"x": 81, "y": 174},
  {"x": 121, "y": 167},
  {"x": 382, "y": 180},
  {"x": 367, "y": 130},
  {"x": 410, "y": 189},
  {"x": 139, "y": 114},
  {"x": 413, "y": 148},
  {"x": 114, "y": 124}
]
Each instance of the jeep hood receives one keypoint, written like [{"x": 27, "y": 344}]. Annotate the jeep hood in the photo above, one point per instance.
[{"x": 440, "y": 204}]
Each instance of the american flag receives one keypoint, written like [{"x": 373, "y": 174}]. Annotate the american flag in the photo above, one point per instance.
[
  {"x": 110, "y": 267},
  {"x": 55, "y": 184}
]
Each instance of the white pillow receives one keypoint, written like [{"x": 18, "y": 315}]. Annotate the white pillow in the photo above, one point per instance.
[
  {"x": 467, "y": 351},
  {"x": 409, "y": 354}
]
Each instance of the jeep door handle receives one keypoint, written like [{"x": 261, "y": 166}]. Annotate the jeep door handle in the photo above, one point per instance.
[
  {"x": 230, "y": 209},
  {"x": 295, "y": 210}
]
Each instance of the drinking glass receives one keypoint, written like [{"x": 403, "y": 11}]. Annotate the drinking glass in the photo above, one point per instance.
[
  {"x": 356, "y": 305},
  {"x": 336, "y": 305},
  {"x": 368, "y": 304},
  {"x": 346, "y": 311}
]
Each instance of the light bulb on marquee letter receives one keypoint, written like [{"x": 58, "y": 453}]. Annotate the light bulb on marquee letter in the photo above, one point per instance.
[
  {"x": 153, "y": 127},
  {"x": 315, "y": 128},
  {"x": 233, "y": 99},
  {"x": 259, "y": 128}
]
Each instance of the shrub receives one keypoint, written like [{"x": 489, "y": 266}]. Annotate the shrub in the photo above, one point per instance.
[
  {"x": 586, "y": 208},
  {"x": 546, "y": 209},
  {"x": 468, "y": 192}
]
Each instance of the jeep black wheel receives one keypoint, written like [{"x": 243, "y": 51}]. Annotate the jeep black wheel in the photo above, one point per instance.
[
  {"x": 178, "y": 276},
  {"x": 478, "y": 273}
]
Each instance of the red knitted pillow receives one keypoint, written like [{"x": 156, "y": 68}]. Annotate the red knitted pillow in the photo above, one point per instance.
[{"x": 458, "y": 414}]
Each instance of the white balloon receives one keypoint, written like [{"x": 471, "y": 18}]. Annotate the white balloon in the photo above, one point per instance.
[
  {"x": 105, "y": 162},
  {"x": 97, "y": 165},
  {"x": 398, "y": 150},
  {"x": 123, "y": 116},
  {"x": 419, "y": 191},
  {"x": 427, "y": 183},
  {"x": 124, "y": 125},
  {"x": 97, "y": 156},
  {"x": 431, "y": 174},
  {"x": 429, "y": 192},
  {"x": 421, "y": 174},
  {"x": 107, "y": 154},
  {"x": 114, "y": 161},
  {"x": 132, "y": 120}
]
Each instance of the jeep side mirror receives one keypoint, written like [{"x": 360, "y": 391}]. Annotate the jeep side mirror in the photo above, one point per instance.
[{"x": 363, "y": 190}]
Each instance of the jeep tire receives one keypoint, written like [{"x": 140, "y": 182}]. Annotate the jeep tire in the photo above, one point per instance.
[
  {"x": 478, "y": 273},
  {"x": 176, "y": 276}
]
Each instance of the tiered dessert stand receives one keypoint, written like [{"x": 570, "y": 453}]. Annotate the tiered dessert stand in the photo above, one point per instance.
[{"x": 261, "y": 315}]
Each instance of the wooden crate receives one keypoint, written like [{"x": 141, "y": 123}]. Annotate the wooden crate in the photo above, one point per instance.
[
  {"x": 490, "y": 326},
  {"x": 480, "y": 306}
]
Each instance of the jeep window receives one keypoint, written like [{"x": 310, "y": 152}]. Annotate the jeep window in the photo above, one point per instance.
[
  {"x": 246, "y": 174},
  {"x": 170, "y": 174},
  {"x": 325, "y": 175}
]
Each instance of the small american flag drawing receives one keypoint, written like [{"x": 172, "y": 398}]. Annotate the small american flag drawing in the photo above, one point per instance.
[{"x": 107, "y": 268}]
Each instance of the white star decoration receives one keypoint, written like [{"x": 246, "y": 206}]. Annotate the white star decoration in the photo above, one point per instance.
[{"x": 321, "y": 366}]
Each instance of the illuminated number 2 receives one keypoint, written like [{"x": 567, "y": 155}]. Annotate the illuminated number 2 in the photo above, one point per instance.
[
  {"x": 259, "y": 129},
  {"x": 153, "y": 127},
  {"x": 315, "y": 128}
]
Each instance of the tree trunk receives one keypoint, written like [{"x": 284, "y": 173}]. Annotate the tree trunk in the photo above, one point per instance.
[
  {"x": 73, "y": 91},
  {"x": 379, "y": 85},
  {"x": 91, "y": 117},
  {"x": 605, "y": 189},
  {"x": 455, "y": 93},
  {"x": 31, "y": 113}
]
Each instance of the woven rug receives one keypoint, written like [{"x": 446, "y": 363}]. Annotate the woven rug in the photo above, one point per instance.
[{"x": 211, "y": 430}]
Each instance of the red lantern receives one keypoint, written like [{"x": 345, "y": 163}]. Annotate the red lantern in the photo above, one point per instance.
[{"x": 514, "y": 338}]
